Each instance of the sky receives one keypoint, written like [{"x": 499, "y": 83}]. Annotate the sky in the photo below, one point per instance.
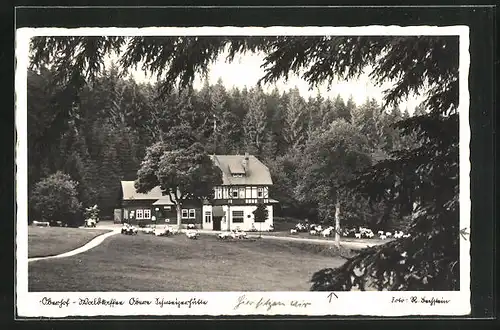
[{"x": 245, "y": 70}]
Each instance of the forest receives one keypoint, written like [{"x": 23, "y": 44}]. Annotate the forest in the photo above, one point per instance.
[
  {"x": 116, "y": 119},
  {"x": 323, "y": 154}
]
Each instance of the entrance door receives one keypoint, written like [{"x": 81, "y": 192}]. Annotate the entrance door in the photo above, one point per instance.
[{"x": 216, "y": 224}]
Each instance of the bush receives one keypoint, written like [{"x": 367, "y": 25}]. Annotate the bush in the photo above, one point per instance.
[
  {"x": 55, "y": 199},
  {"x": 284, "y": 223},
  {"x": 285, "y": 219},
  {"x": 261, "y": 214},
  {"x": 92, "y": 212}
]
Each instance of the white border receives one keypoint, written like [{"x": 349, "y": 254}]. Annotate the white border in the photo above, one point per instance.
[{"x": 29, "y": 304}]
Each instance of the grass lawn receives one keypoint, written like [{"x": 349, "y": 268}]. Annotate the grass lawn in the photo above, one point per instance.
[
  {"x": 49, "y": 241},
  {"x": 149, "y": 263}
]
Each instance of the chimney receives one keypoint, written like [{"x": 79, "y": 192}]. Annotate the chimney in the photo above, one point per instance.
[{"x": 245, "y": 162}]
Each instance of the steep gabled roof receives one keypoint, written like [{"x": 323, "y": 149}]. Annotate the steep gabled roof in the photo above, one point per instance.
[
  {"x": 129, "y": 192},
  {"x": 165, "y": 200},
  {"x": 256, "y": 173}
]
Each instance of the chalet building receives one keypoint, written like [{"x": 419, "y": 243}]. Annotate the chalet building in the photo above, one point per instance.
[
  {"x": 140, "y": 208},
  {"x": 245, "y": 184}
]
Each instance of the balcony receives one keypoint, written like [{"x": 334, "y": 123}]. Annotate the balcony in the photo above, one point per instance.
[{"x": 241, "y": 201}]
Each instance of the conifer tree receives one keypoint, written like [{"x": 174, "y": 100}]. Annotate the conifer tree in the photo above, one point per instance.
[{"x": 421, "y": 181}]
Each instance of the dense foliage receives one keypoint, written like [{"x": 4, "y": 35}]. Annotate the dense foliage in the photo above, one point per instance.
[
  {"x": 55, "y": 199},
  {"x": 261, "y": 214},
  {"x": 108, "y": 134},
  {"x": 182, "y": 174},
  {"x": 411, "y": 180},
  {"x": 332, "y": 158}
]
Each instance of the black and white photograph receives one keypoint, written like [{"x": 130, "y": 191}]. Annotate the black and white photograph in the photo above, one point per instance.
[{"x": 248, "y": 171}]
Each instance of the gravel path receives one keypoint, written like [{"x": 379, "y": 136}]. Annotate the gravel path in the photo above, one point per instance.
[{"x": 90, "y": 245}]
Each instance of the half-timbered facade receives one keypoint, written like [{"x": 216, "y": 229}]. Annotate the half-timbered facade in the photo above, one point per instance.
[{"x": 245, "y": 184}]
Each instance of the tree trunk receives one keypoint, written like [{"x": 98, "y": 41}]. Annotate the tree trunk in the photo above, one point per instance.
[
  {"x": 179, "y": 214},
  {"x": 337, "y": 223}
]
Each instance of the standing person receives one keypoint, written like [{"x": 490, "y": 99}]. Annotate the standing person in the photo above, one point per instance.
[{"x": 132, "y": 217}]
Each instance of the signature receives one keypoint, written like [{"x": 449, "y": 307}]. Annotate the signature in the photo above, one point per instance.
[{"x": 268, "y": 303}]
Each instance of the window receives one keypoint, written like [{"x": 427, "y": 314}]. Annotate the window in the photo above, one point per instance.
[
  {"x": 234, "y": 192},
  {"x": 168, "y": 208},
  {"x": 125, "y": 214},
  {"x": 184, "y": 214},
  {"x": 141, "y": 214},
  {"x": 218, "y": 192},
  {"x": 259, "y": 192},
  {"x": 208, "y": 217},
  {"x": 238, "y": 216},
  {"x": 242, "y": 192},
  {"x": 192, "y": 214}
]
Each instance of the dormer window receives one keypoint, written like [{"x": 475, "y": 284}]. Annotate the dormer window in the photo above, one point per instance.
[{"x": 236, "y": 170}]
